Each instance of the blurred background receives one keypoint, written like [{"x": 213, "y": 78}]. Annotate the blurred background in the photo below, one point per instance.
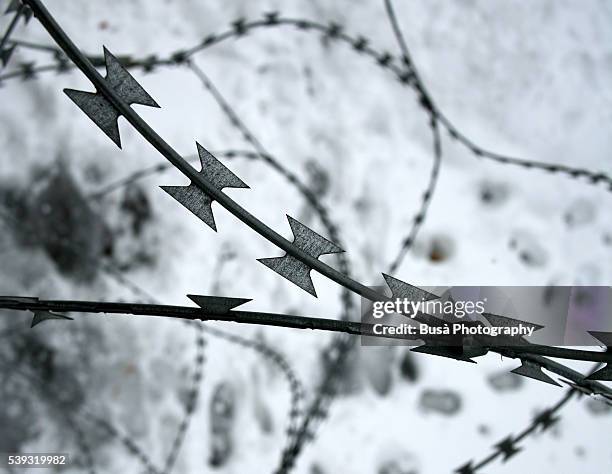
[{"x": 132, "y": 394}]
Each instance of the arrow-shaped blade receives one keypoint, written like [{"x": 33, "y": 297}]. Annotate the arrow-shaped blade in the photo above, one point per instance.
[
  {"x": 124, "y": 83},
  {"x": 99, "y": 109},
  {"x": 504, "y": 321},
  {"x": 450, "y": 352},
  {"x": 603, "y": 337},
  {"x": 465, "y": 469},
  {"x": 40, "y": 316},
  {"x": 545, "y": 419},
  {"x": 604, "y": 373},
  {"x": 401, "y": 289},
  {"x": 217, "y": 304},
  {"x": 6, "y": 53},
  {"x": 508, "y": 448},
  {"x": 196, "y": 200},
  {"x": 533, "y": 371},
  {"x": 13, "y": 7},
  {"x": 295, "y": 270},
  {"x": 27, "y": 14}
]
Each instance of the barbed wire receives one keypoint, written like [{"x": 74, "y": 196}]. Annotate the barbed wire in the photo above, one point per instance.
[
  {"x": 292, "y": 250},
  {"x": 545, "y": 419},
  {"x": 198, "y": 179},
  {"x": 51, "y": 397},
  {"x": 333, "y": 31},
  {"x": 277, "y": 359},
  {"x": 322, "y": 212},
  {"x": 318, "y": 409},
  {"x": 110, "y": 269},
  {"x": 508, "y": 447}
]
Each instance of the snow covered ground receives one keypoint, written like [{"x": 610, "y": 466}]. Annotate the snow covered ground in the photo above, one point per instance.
[{"x": 530, "y": 79}]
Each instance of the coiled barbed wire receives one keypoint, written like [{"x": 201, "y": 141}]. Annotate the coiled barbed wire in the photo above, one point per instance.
[
  {"x": 116, "y": 274},
  {"x": 332, "y": 31},
  {"x": 545, "y": 419},
  {"x": 531, "y": 165},
  {"x": 277, "y": 359},
  {"x": 319, "y": 208},
  {"x": 508, "y": 447}
]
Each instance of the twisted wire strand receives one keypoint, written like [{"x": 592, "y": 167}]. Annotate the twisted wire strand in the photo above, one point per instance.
[
  {"x": 544, "y": 420},
  {"x": 295, "y": 385},
  {"x": 115, "y": 273},
  {"x": 544, "y": 363},
  {"x": 81, "y": 440},
  {"x": 539, "y": 421},
  {"x": 49, "y": 23},
  {"x": 319, "y": 409},
  {"x": 11, "y": 27},
  {"x": 263, "y": 349},
  {"x": 333, "y": 31},
  {"x": 319, "y": 208},
  {"x": 340, "y": 345},
  {"x": 36, "y": 382},
  {"x": 339, "y": 342}
]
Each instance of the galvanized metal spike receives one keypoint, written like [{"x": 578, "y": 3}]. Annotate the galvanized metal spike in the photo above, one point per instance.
[
  {"x": 100, "y": 110},
  {"x": 27, "y": 14},
  {"x": 450, "y": 352},
  {"x": 401, "y": 289},
  {"x": 217, "y": 304},
  {"x": 27, "y": 70},
  {"x": 124, "y": 84},
  {"x": 602, "y": 336},
  {"x": 40, "y": 316},
  {"x": 508, "y": 448},
  {"x": 13, "y": 6},
  {"x": 311, "y": 242},
  {"x": 295, "y": 270},
  {"x": 196, "y": 200},
  {"x": 216, "y": 172},
  {"x": 533, "y": 371},
  {"x": 545, "y": 419},
  {"x": 504, "y": 321},
  {"x": 6, "y": 53},
  {"x": 465, "y": 469},
  {"x": 605, "y": 373},
  {"x": 271, "y": 17}
]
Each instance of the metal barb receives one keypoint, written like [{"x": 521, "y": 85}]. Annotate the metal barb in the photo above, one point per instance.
[
  {"x": 40, "y": 316},
  {"x": 533, "y": 371},
  {"x": 467, "y": 468},
  {"x": 545, "y": 419},
  {"x": 217, "y": 304},
  {"x": 6, "y": 53},
  {"x": 508, "y": 448},
  {"x": 450, "y": 352},
  {"x": 99, "y": 109},
  {"x": 194, "y": 198},
  {"x": 604, "y": 337},
  {"x": 604, "y": 373},
  {"x": 295, "y": 270}
]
